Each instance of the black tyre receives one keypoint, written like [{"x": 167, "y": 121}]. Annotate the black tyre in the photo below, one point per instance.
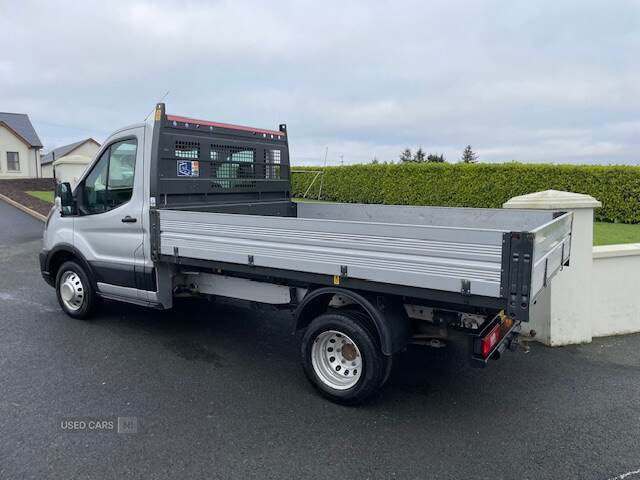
[
  {"x": 75, "y": 292},
  {"x": 342, "y": 359},
  {"x": 363, "y": 318}
]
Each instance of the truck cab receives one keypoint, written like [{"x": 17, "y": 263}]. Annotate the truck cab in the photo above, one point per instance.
[{"x": 106, "y": 227}]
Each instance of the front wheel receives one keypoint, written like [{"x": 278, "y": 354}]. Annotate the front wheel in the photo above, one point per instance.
[
  {"x": 75, "y": 293},
  {"x": 342, "y": 359}
]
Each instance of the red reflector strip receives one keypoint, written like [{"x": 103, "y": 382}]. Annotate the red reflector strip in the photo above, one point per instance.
[
  {"x": 490, "y": 340},
  {"x": 193, "y": 121}
]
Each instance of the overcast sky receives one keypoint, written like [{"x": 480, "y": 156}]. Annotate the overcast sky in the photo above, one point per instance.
[{"x": 550, "y": 80}]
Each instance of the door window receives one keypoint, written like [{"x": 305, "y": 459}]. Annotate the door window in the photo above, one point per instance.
[
  {"x": 122, "y": 163},
  {"x": 110, "y": 183},
  {"x": 94, "y": 193}
]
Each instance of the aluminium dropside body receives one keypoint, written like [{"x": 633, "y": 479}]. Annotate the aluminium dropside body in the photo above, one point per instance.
[{"x": 499, "y": 259}]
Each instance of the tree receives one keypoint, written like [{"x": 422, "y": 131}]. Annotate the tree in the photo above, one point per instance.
[
  {"x": 375, "y": 160},
  {"x": 406, "y": 156},
  {"x": 469, "y": 156},
  {"x": 435, "y": 158},
  {"x": 419, "y": 156}
]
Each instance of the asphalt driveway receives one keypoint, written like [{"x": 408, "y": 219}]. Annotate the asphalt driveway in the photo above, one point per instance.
[{"x": 216, "y": 391}]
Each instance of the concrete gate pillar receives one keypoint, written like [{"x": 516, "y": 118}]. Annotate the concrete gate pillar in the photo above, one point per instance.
[{"x": 562, "y": 313}]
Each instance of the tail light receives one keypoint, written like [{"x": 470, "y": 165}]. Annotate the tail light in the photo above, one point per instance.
[
  {"x": 490, "y": 340},
  {"x": 487, "y": 344}
]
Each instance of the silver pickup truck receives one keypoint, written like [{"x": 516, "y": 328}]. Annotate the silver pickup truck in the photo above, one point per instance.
[{"x": 178, "y": 206}]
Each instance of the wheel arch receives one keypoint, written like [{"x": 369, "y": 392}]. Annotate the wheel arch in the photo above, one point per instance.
[
  {"x": 386, "y": 313},
  {"x": 64, "y": 253}
]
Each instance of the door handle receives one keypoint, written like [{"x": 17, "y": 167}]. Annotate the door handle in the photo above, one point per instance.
[{"x": 129, "y": 219}]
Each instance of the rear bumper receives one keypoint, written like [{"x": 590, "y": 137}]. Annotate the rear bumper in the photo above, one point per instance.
[{"x": 44, "y": 269}]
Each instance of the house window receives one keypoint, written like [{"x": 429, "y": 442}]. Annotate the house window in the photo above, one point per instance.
[{"x": 13, "y": 162}]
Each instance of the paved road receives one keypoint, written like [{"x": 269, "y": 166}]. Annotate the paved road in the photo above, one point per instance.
[{"x": 218, "y": 393}]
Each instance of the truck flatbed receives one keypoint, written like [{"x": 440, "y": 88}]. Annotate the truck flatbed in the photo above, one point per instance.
[{"x": 476, "y": 257}]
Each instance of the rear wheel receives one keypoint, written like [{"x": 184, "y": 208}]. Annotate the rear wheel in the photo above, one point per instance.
[
  {"x": 341, "y": 357},
  {"x": 75, "y": 293}
]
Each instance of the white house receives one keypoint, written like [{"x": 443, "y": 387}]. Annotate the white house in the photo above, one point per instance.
[
  {"x": 70, "y": 168},
  {"x": 85, "y": 148},
  {"x": 19, "y": 147}
]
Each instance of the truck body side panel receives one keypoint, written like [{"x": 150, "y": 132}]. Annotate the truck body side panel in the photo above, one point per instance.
[
  {"x": 419, "y": 256},
  {"x": 551, "y": 251}
]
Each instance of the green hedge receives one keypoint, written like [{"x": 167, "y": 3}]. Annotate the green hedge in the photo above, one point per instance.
[{"x": 476, "y": 185}]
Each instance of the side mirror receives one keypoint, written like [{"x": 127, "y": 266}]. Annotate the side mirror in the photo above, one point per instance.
[{"x": 63, "y": 191}]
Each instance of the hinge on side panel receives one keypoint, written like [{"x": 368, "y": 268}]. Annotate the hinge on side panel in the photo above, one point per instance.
[
  {"x": 562, "y": 257},
  {"x": 465, "y": 288},
  {"x": 175, "y": 254},
  {"x": 250, "y": 260},
  {"x": 154, "y": 237},
  {"x": 546, "y": 265},
  {"x": 343, "y": 271}
]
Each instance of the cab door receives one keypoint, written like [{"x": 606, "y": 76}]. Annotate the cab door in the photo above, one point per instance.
[{"x": 108, "y": 228}]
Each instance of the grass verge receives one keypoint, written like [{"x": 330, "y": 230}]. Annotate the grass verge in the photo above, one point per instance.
[
  {"x": 615, "y": 233},
  {"x": 45, "y": 196}
]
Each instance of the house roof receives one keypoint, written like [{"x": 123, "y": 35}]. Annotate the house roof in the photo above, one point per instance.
[
  {"x": 64, "y": 150},
  {"x": 20, "y": 124}
]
